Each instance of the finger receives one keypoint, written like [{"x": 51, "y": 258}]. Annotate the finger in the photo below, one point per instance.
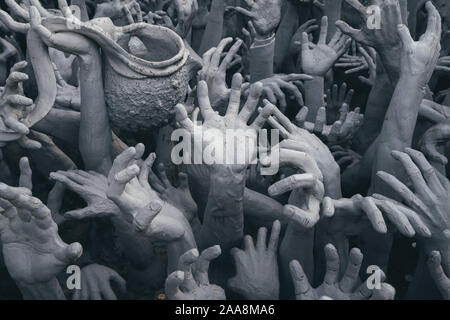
[
  {"x": 386, "y": 292},
  {"x": 351, "y": 276},
  {"x": 301, "y": 116},
  {"x": 323, "y": 30},
  {"x": 261, "y": 239},
  {"x": 305, "y": 219},
  {"x": 372, "y": 212},
  {"x": 352, "y": 32},
  {"x": 15, "y": 78},
  {"x": 203, "y": 101},
  {"x": 397, "y": 218},
  {"x": 362, "y": 10},
  {"x": 163, "y": 175},
  {"x": 252, "y": 101},
  {"x": 25, "y": 180},
  {"x": 428, "y": 172},
  {"x": 418, "y": 225},
  {"x": 408, "y": 196},
  {"x": 321, "y": 120},
  {"x": 230, "y": 55},
  {"x": 69, "y": 253},
  {"x": 146, "y": 167},
  {"x": 296, "y": 181},
  {"x": 263, "y": 116},
  {"x": 13, "y": 25},
  {"x": 16, "y": 125},
  {"x": 172, "y": 286},
  {"x": 126, "y": 175},
  {"x": 18, "y": 100},
  {"x": 18, "y": 10},
  {"x": 332, "y": 263},
  {"x": 235, "y": 96},
  {"x": 405, "y": 37},
  {"x": 303, "y": 290},
  {"x": 274, "y": 236},
  {"x": 437, "y": 272},
  {"x": 19, "y": 66},
  {"x": 182, "y": 118},
  {"x": 215, "y": 59},
  {"x": 413, "y": 172},
  {"x": 249, "y": 246},
  {"x": 202, "y": 265},
  {"x": 185, "y": 264}
]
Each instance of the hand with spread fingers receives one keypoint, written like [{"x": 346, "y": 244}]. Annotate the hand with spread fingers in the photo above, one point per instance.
[
  {"x": 99, "y": 283},
  {"x": 214, "y": 128},
  {"x": 214, "y": 71},
  {"x": 428, "y": 196},
  {"x": 15, "y": 108},
  {"x": 335, "y": 286},
  {"x": 92, "y": 187},
  {"x": 257, "y": 267},
  {"x": 318, "y": 58},
  {"x": 353, "y": 216},
  {"x": 30, "y": 237},
  {"x": 278, "y": 86},
  {"x": 337, "y": 96},
  {"x": 265, "y": 14},
  {"x": 191, "y": 281},
  {"x": 342, "y": 131}
]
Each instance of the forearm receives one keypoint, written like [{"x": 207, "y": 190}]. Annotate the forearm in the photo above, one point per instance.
[
  {"x": 214, "y": 27},
  {"x": 262, "y": 53},
  {"x": 177, "y": 248},
  {"x": 401, "y": 116},
  {"x": 376, "y": 107},
  {"x": 333, "y": 12},
  {"x": 50, "y": 290},
  {"x": 314, "y": 90},
  {"x": 223, "y": 221},
  {"x": 297, "y": 245},
  {"x": 95, "y": 133},
  {"x": 288, "y": 26},
  {"x": 390, "y": 58}
]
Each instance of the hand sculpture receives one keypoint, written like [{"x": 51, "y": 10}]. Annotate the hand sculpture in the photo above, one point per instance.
[
  {"x": 274, "y": 86},
  {"x": 318, "y": 58},
  {"x": 256, "y": 266},
  {"x": 96, "y": 283},
  {"x": 334, "y": 287},
  {"x": 307, "y": 189},
  {"x": 191, "y": 282},
  {"x": 434, "y": 137},
  {"x": 30, "y": 237},
  {"x": 91, "y": 187},
  {"x": 340, "y": 132},
  {"x": 15, "y": 108},
  {"x": 265, "y": 14},
  {"x": 353, "y": 216},
  {"x": 140, "y": 205},
  {"x": 214, "y": 126},
  {"x": 337, "y": 96},
  {"x": 437, "y": 273},
  {"x": 430, "y": 198},
  {"x": 180, "y": 197},
  {"x": 214, "y": 71}
]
